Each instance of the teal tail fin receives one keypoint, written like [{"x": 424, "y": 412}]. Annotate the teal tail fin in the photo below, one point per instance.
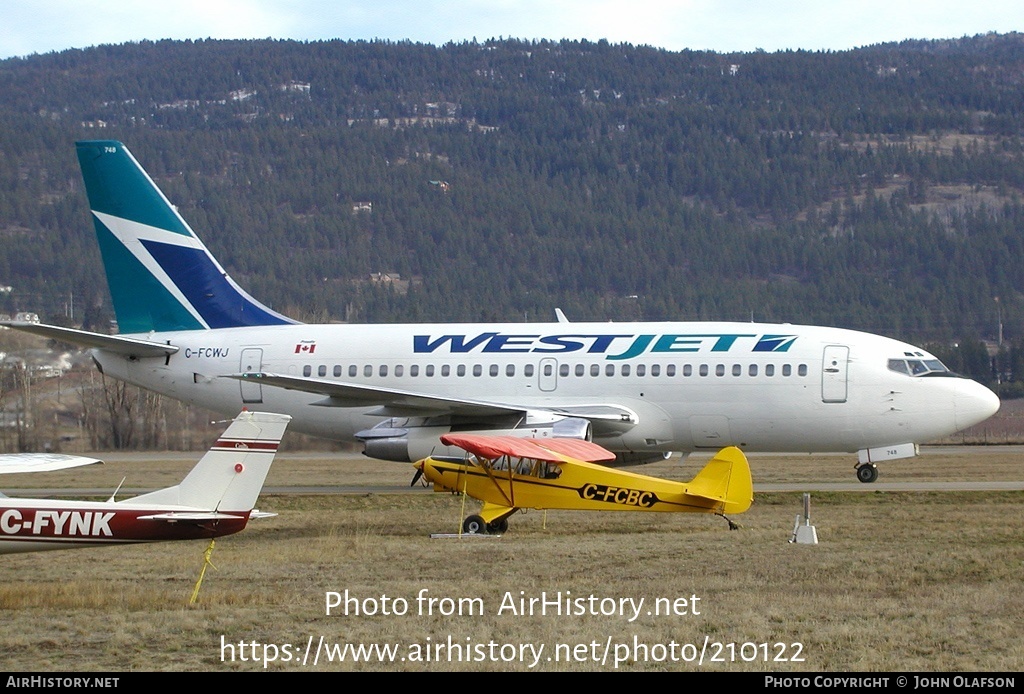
[{"x": 161, "y": 276}]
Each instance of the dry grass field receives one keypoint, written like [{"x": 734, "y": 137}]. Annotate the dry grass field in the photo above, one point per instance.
[{"x": 899, "y": 581}]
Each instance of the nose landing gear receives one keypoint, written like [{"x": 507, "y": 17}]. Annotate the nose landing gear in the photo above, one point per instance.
[{"x": 867, "y": 472}]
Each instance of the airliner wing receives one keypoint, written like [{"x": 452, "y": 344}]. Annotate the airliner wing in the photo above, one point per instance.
[
  {"x": 11, "y": 463},
  {"x": 393, "y": 402},
  {"x": 129, "y": 346}
]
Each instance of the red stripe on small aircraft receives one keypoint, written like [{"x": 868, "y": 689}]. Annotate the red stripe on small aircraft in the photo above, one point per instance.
[
  {"x": 241, "y": 444},
  {"x": 105, "y": 524}
]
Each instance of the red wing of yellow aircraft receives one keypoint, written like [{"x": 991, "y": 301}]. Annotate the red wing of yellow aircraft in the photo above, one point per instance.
[{"x": 508, "y": 473}]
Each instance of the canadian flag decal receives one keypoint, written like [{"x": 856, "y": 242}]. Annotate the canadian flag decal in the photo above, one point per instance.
[{"x": 306, "y": 347}]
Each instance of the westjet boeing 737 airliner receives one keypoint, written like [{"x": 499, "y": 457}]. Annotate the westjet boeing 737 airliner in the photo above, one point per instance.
[{"x": 641, "y": 390}]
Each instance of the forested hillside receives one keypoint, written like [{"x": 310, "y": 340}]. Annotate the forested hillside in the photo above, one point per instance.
[{"x": 877, "y": 189}]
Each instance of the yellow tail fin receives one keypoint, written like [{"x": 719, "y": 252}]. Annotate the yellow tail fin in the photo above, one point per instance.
[{"x": 725, "y": 478}]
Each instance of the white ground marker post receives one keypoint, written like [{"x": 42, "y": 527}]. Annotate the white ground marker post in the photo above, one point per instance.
[{"x": 804, "y": 533}]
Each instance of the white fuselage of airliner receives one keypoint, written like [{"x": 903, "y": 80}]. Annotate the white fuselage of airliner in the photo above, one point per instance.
[{"x": 673, "y": 386}]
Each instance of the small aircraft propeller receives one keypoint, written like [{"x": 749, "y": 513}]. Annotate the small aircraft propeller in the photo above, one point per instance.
[{"x": 419, "y": 472}]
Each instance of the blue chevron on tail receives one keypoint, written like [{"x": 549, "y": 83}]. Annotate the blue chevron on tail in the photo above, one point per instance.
[{"x": 161, "y": 276}]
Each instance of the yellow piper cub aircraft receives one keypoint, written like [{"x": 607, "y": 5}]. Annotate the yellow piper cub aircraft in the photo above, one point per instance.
[{"x": 508, "y": 473}]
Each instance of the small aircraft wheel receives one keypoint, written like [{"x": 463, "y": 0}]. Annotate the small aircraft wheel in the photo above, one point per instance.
[
  {"x": 867, "y": 473},
  {"x": 498, "y": 526},
  {"x": 474, "y": 525}
]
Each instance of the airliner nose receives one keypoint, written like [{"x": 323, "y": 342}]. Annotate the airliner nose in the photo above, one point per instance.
[{"x": 974, "y": 403}]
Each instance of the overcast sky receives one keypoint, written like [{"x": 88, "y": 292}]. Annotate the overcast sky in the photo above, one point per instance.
[{"x": 42, "y": 26}]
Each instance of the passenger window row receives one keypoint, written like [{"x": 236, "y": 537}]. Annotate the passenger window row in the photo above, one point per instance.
[{"x": 564, "y": 370}]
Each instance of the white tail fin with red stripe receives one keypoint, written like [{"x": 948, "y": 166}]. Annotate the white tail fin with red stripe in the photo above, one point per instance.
[{"x": 231, "y": 474}]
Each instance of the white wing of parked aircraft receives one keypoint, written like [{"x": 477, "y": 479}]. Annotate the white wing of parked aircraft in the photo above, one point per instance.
[{"x": 14, "y": 463}]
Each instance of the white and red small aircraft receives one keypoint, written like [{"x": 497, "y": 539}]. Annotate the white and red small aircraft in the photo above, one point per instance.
[{"x": 216, "y": 498}]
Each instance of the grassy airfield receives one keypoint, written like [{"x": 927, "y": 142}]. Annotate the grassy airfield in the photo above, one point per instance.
[{"x": 899, "y": 581}]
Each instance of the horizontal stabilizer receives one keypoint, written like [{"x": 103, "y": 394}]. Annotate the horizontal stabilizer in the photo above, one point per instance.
[
  {"x": 191, "y": 516},
  {"x": 726, "y": 478},
  {"x": 261, "y": 514},
  {"x": 128, "y": 346}
]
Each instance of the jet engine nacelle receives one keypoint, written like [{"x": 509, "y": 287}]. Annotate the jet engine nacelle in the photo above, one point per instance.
[
  {"x": 639, "y": 458},
  {"x": 409, "y": 440}
]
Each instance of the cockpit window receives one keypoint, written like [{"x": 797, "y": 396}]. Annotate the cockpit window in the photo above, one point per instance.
[
  {"x": 919, "y": 367},
  {"x": 899, "y": 366}
]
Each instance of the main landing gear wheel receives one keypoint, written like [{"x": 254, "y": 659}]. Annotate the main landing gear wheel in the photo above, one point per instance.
[
  {"x": 498, "y": 526},
  {"x": 474, "y": 525},
  {"x": 867, "y": 473}
]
